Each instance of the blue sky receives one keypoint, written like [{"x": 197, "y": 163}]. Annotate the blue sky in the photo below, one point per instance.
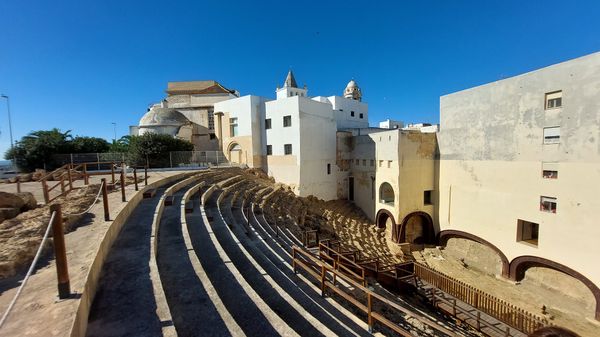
[{"x": 81, "y": 65}]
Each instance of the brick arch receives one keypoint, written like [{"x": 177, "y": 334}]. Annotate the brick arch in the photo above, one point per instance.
[
  {"x": 520, "y": 264},
  {"x": 428, "y": 230},
  {"x": 448, "y": 234}
]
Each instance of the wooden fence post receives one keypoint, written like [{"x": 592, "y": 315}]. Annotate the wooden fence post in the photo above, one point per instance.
[
  {"x": 105, "y": 200},
  {"x": 369, "y": 309},
  {"x": 135, "y": 178},
  {"x": 60, "y": 252},
  {"x": 112, "y": 172},
  {"x": 70, "y": 177},
  {"x": 86, "y": 180},
  {"x": 146, "y": 175},
  {"x": 123, "y": 184},
  {"x": 322, "y": 280},
  {"x": 45, "y": 189}
]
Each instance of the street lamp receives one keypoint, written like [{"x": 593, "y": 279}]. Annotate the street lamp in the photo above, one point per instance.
[
  {"x": 10, "y": 128},
  {"x": 115, "y": 131}
]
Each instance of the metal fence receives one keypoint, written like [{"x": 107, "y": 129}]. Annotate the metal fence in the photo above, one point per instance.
[{"x": 175, "y": 159}]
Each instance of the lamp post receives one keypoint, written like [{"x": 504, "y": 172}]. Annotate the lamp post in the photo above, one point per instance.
[
  {"x": 10, "y": 129},
  {"x": 115, "y": 131}
]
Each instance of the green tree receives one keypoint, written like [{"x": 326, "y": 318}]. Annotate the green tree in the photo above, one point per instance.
[
  {"x": 81, "y": 144},
  {"x": 120, "y": 145},
  {"x": 155, "y": 149},
  {"x": 37, "y": 148}
]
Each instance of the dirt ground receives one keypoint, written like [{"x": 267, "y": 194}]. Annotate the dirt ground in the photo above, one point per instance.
[{"x": 527, "y": 294}]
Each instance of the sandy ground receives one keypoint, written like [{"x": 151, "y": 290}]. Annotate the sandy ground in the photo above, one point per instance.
[{"x": 527, "y": 294}]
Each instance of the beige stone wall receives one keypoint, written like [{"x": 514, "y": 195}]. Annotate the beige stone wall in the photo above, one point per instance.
[{"x": 492, "y": 151}]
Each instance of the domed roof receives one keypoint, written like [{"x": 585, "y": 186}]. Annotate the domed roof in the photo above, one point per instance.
[
  {"x": 351, "y": 84},
  {"x": 158, "y": 116}
]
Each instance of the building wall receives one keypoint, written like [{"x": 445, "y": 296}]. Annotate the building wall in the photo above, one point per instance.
[
  {"x": 317, "y": 150},
  {"x": 343, "y": 107},
  {"x": 491, "y": 154}
]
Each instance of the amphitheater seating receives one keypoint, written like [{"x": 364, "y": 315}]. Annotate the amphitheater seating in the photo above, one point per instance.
[{"x": 224, "y": 256}]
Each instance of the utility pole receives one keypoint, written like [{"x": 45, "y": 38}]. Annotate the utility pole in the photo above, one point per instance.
[{"x": 12, "y": 145}]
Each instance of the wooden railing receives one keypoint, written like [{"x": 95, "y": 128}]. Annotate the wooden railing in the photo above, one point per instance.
[
  {"x": 65, "y": 175},
  {"x": 491, "y": 305},
  {"x": 326, "y": 274}
]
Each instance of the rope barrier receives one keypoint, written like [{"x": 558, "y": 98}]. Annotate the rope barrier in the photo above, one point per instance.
[
  {"x": 93, "y": 203},
  {"x": 31, "y": 269}
]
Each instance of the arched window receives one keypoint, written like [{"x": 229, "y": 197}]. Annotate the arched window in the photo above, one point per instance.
[{"x": 386, "y": 194}]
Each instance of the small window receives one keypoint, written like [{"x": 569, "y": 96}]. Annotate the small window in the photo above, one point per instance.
[
  {"x": 341, "y": 109},
  {"x": 364, "y": 162},
  {"x": 553, "y": 100},
  {"x": 389, "y": 163},
  {"x": 351, "y": 113},
  {"x": 548, "y": 204},
  {"x": 527, "y": 232},
  {"x": 328, "y": 168},
  {"x": 287, "y": 149},
  {"x": 357, "y": 162},
  {"x": 381, "y": 163},
  {"x": 233, "y": 127},
  {"x": 268, "y": 123},
  {"x": 552, "y": 135},
  {"x": 427, "y": 198},
  {"x": 550, "y": 170},
  {"x": 372, "y": 162},
  {"x": 211, "y": 136},
  {"x": 287, "y": 121},
  {"x": 360, "y": 115},
  {"x": 269, "y": 150}
]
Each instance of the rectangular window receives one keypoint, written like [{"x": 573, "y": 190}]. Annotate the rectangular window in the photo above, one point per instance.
[
  {"x": 287, "y": 149},
  {"x": 351, "y": 113},
  {"x": 427, "y": 198},
  {"x": 287, "y": 121},
  {"x": 211, "y": 119},
  {"x": 548, "y": 204},
  {"x": 328, "y": 168},
  {"x": 550, "y": 170},
  {"x": 267, "y": 123},
  {"x": 364, "y": 162},
  {"x": 233, "y": 127},
  {"x": 357, "y": 162},
  {"x": 381, "y": 163},
  {"x": 527, "y": 232},
  {"x": 553, "y": 100},
  {"x": 211, "y": 136},
  {"x": 360, "y": 115},
  {"x": 389, "y": 163},
  {"x": 269, "y": 150},
  {"x": 552, "y": 135},
  {"x": 372, "y": 163}
]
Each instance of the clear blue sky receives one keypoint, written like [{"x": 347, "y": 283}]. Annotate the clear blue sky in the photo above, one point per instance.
[{"x": 81, "y": 65}]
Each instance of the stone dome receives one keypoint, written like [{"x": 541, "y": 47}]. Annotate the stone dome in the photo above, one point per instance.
[
  {"x": 158, "y": 116},
  {"x": 352, "y": 91},
  {"x": 351, "y": 84}
]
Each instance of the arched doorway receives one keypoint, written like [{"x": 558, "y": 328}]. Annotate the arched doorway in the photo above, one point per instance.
[
  {"x": 446, "y": 235},
  {"x": 417, "y": 228},
  {"x": 519, "y": 265},
  {"x": 386, "y": 194},
  {"x": 385, "y": 219},
  {"x": 235, "y": 153}
]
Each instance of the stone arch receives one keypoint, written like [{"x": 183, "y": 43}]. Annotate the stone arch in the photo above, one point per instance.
[
  {"x": 445, "y": 235},
  {"x": 234, "y": 151},
  {"x": 520, "y": 264},
  {"x": 385, "y": 218},
  {"x": 386, "y": 194},
  {"x": 420, "y": 228}
]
